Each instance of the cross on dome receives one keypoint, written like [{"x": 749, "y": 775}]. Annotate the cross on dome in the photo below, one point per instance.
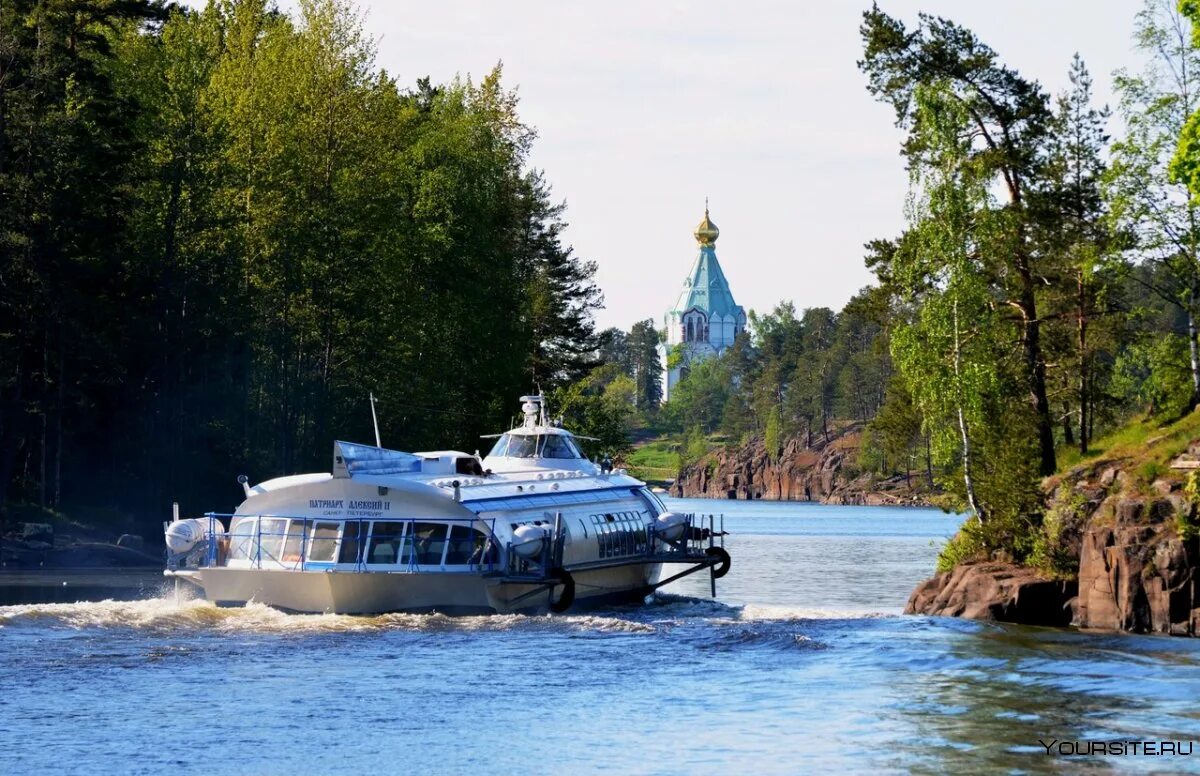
[{"x": 707, "y": 232}]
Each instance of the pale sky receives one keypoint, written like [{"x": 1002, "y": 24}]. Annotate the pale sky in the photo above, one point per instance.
[{"x": 644, "y": 108}]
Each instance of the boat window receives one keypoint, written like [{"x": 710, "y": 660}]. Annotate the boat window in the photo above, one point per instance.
[
  {"x": 483, "y": 551},
  {"x": 500, "y": 447},
  {"x": 324, "y": 542},
  {"x": 522, "y": 446},
  {"x": 468, "y": 465},
  {"x": 242, "y": 530},
  {"x": 271, "y": 531},
  {"x": 429, "y": 540},
  {"x": 647, "y": 493},
  {"x": 461, "y": 545},
  {"x": 293, "y": 548},
  {"x": 558, "y": 446},
  {"x": 349, "y": 549},
  {"x": 384, "y": 546},
  {"x": 536, "y": 446}
]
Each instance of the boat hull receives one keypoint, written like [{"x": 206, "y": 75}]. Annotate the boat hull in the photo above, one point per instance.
[{"x": 330, "y": 592}]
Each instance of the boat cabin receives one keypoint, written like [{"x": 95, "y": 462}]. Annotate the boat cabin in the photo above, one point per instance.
[{"x": 358, "y": 545}]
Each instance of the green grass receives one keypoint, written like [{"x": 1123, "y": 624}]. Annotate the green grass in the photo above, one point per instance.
[
  {"x": 655, "y": 460},
  {"x": 1149, "y": 442}
]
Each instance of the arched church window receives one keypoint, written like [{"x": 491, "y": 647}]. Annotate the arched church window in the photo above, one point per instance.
[{"x": 691, "y": 332}]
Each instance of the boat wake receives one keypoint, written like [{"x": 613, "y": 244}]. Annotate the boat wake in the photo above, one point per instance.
[
  {"x": 688, "y": 607},
  {"x": 717, "y": 625},
  {"x": 166, "y": 614}
]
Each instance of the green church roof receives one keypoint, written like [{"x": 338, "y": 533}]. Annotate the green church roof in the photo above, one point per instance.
[{"x": 706, "y": 287}]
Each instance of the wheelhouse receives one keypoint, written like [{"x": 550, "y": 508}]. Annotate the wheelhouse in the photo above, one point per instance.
[{"x": 515, "y": 445}]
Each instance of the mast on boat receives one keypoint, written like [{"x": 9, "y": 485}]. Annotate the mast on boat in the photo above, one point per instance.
[{"x": 375, "y": 420}]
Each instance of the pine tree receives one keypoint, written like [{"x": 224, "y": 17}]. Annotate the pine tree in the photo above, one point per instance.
[
  {"x": 1074, "y": 231},
  {"x": 646, "y": 367},
  {"x": 562, "y": 291}
]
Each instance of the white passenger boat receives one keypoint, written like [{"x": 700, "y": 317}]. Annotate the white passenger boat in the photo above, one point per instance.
[{"x": 532, "y": 526}]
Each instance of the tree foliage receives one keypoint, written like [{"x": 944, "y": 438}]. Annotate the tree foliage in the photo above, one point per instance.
[
  {"x": 790, "y": 375},
  {"x": 222, "y": 228},
  {"x": 949, "y": 351},
  {"x": 600, "y": 406},
  {"x": 1152, "y": 210},
  {"x": 1009, "y": 120}
]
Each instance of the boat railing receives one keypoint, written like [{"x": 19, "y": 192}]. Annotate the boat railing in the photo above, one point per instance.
[
  {"x": 218, "y": 546},
  {"x": 702, "y": 544},
  {"x": 700, "y": 533}
]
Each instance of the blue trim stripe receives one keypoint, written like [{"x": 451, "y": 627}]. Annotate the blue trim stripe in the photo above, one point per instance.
[{"x": 553, "y": 499}]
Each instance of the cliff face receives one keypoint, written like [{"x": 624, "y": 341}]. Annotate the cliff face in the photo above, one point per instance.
[
  {"x": 823, "y": 472},
  {"x": 1136, "y": 572},
  {"x": 1139, "y": 576}
]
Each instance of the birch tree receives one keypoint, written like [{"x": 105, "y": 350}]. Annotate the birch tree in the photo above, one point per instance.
[
  {"x": 1009, "y": 117},
  {"x": 1149, "y": 205},
  {"x": 945, "y": 351}
]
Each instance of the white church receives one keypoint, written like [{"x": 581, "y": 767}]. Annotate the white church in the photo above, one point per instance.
[{"x": 705, "y": 320}]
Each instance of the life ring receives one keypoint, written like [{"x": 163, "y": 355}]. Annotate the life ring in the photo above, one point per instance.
[
  {"x": 568, "y": 594},
  {"x": 722, "y": 568}
]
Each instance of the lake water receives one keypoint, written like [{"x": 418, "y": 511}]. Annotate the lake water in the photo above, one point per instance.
[{"x": 803, "y": 663}]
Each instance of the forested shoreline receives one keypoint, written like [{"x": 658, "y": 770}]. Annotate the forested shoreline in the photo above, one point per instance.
[
  {"x": 221, "y": 229},
  {"x": 1043, "y": 294},
  {"x": 1046, "y": 288}
]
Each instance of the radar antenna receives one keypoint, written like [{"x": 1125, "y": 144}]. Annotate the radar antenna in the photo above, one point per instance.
[{"x": 534, "y": 409}]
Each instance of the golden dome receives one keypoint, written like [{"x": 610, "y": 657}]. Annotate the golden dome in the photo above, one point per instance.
[{"x": 707, "y": 232}]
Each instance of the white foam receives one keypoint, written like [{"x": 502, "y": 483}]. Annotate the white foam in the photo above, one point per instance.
[
  {"x": 167, "y": 613},
  {"x": 684, "y": 607},
  {"x": 756, "y": 612}
]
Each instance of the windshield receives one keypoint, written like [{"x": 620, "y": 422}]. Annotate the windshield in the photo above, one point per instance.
[
  {"x": 555, "y": 446},
  {"x": 539, "y": 446}
]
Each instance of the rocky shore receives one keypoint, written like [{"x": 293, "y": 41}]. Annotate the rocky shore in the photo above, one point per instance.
[
  {"x": 995, "y": 591},
  {"x": 1134, "y": 545},
  {"x": 824, "y": 472},
  {"x": 40, "y": 546}
]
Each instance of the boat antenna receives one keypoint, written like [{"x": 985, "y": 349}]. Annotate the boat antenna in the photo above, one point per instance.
[{"x": 375, "y": 420}]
